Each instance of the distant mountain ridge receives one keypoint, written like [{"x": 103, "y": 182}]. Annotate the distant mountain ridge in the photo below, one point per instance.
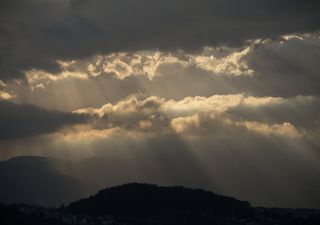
[
  {"x": 34, "y": 180},
  {"x": 135, "y": 198},
  {"x": 50, "y": 181}
]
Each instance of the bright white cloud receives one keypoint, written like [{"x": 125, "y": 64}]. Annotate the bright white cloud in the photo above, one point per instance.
[
  {"x": 284, "y": 129},
  {"x": 231, "y": 64},
  {"x": 6, "y": 95},
  {"x": 39, "y": 78}
]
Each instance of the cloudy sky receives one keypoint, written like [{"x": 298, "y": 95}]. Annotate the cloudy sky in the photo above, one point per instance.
[{"x": 230, "y": 89}]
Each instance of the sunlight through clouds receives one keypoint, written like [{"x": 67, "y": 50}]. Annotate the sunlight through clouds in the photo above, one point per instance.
[
  {"x": 147, "y": 63},
  {"x": 218, "y": 94}
]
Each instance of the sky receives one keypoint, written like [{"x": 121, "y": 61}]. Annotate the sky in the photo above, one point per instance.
[{"x": 217, "y": 94}]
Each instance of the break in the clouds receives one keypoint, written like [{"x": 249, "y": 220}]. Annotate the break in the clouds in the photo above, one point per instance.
[{"x": 35, "y": 34}]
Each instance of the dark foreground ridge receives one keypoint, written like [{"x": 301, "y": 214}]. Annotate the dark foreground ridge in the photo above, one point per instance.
[
  {"x": 150, "y": 204},
  {"x": 144, "y": 199}
]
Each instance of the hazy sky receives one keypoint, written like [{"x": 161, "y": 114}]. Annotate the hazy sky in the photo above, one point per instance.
[{"x": 231, "y": 88}]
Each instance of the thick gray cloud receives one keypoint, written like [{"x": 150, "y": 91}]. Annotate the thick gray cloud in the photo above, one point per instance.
[
  {"x": 34, "y": 34},
  {"x": 19, "y": 121},
  {"x": 286, "y": 68}
]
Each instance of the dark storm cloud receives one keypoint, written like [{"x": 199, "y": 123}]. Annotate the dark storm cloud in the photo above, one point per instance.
[
  {"x": 35, "y": 33},
  {"x": 18, "y": 121}
]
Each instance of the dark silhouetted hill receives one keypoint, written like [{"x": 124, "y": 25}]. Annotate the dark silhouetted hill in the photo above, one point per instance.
[
  {"x": 137, "y": 198},
  {"x": 52, "y": 181}
]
